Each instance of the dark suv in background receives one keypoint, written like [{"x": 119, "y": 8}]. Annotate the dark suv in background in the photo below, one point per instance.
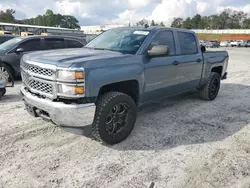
[
  {"x": 247, "y": 45},
  {"x": 12, "y": 51}
]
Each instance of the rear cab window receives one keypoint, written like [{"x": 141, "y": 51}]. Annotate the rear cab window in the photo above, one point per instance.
[{"x": 187, "y": 43}]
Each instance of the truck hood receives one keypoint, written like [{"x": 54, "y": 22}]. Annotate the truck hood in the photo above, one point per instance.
[{"x": 68, "y": 57}]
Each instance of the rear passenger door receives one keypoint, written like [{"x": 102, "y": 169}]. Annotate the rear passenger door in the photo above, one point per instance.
[
  {"x": 54, "y": 43},
  {"x": 190, "y": 61},
  {"x": 71, "y": 43}
]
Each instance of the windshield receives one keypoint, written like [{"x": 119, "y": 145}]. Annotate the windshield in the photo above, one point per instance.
[
  {"x": 121, "y": 40},
  {"x": 9, "y": 44}
]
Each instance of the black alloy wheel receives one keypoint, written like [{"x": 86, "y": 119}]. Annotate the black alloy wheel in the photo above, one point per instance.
[{"x": 117, "y": 119}]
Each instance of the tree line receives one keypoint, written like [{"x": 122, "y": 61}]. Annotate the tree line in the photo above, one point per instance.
[
  {"x": 228, "y": 19},
  {"x": 144, "y": 22},
  {"x": 48, "y": 19}
]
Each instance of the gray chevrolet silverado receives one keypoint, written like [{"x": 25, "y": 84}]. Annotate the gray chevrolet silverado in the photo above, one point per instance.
[{"x": 103, "y": 83}]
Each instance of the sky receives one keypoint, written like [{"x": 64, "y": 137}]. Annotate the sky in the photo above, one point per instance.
[{"x": 99, "y": 12}]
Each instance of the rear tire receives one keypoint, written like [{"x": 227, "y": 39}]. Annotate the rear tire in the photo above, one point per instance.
[
  {"x": 2, "y": 92},
  {"x": 210, "y": 91},
  {"x": 111, "y": 125}
]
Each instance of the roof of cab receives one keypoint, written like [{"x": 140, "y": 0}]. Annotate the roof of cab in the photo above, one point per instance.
[
  {"x": 153, "y": 28},
  {"x": 49, "y": 36}
]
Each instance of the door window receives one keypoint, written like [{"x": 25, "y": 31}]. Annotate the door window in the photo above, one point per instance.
[
  {"x": 74, "y": 44},
  {"x": 187, "y": 43},
  {"x": 54, "y": 43},
  {"x": 164, "y": 38},
  {"x": 31, "y": 45}
]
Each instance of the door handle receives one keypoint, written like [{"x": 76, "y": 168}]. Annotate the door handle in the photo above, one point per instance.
[
  {"x": 176, "y": 63},
  {"x": 198, "y": 60}
]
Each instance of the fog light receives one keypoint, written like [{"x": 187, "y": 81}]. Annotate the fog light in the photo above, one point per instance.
[{"x": 79, "y": 90}]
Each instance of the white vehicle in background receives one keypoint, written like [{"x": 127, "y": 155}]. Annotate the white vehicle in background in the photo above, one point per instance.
[
  {"x": 242, "y": 43},
  {"x": 237, "y": 43},
  {"x": 234, "y": 43},
  {"x": 224, "y": 43},
  {"x": 202, "y": 42}
]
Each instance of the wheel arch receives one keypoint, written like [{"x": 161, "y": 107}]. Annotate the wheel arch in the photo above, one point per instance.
[
  {"x": 217, "y": 69},
  {"x": 129, "y": 87}
]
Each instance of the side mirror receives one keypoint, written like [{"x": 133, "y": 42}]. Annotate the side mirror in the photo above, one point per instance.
[
  {"x": 19, "y": 50},
  {"x": 203, "y": 49},
  {"x": 159, "y": 50}
]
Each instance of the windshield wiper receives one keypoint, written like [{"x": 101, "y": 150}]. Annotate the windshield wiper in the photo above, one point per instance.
[
  {"x": 107, "y": 49},
  {"x": 95, "y": 48},
  {"x": 102, "y": 49},
  {"x": 99, "y": 49}
]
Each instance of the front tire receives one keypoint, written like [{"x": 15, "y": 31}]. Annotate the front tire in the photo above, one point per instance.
[
  {"x": 210, "y": 91},
  {"x": 114, "y": 118}
]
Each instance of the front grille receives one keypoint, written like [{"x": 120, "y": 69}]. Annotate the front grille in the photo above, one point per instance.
[
  {"x": 37, "y": 70},
  {"x": 37, "y": 85}
]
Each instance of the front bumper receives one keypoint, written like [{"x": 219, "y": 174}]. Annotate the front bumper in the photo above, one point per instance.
[{"x": 58, "y": 112}]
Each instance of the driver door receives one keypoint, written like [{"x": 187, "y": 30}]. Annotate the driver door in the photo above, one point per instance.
[{"x": 161, "y": 73}]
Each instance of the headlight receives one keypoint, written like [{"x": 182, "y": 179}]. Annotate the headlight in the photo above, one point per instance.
[
  {"x": 70, "y": 75},
  {"x": 71, "y": 89}
]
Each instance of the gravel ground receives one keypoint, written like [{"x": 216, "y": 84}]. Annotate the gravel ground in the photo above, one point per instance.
[{"x": 177, "y": 143}]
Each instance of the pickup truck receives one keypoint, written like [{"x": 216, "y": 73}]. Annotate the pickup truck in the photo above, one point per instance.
[
  {"x": 104, "y": 83},
  {"x": 238, "y": 43}
]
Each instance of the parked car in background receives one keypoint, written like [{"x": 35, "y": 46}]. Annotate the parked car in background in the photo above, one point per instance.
[
  {"x": 216, "y": 44},
  {"x": 213, "y": 44},
  {"x": 24, "y": 34},
  {"x": 234, "y": 43},
  {"x": 247, "y": 44},
  {"x": 241, "y": 43},
  {"x": 2, "y": 32},
  {"x": 225, "y": 43},
  {"x": 237, "y": 43},
  {"x": 202, "y": 42},
  {"x": 4, "y": 38},
  {"x": 12, "y": 51},
  {"x": 209, "y": 44}
]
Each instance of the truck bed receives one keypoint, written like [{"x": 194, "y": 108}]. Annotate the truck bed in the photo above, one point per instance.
[{"x": 214, "y": 59}]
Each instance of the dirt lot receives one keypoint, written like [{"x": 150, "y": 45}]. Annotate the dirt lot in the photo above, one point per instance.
[{"x": 182, "y": 142}]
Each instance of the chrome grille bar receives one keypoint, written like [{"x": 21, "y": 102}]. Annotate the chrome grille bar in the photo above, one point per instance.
[
  {"x": 37, "y": 70},
  {"x": 39, "y": 78}
]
